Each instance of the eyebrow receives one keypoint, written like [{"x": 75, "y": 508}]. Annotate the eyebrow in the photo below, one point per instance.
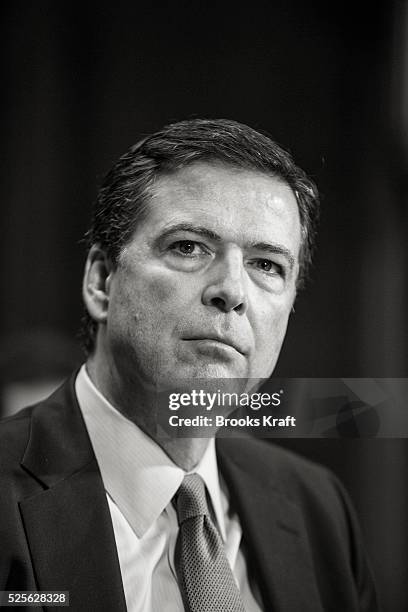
[
  {"x": 195, "y": 229},
  {"x": 276, "y": 249}
]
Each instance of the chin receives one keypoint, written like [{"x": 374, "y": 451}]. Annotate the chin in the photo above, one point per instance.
[
  {"x": 209, "y": 371},
  {"x": 219, "y": 370}
]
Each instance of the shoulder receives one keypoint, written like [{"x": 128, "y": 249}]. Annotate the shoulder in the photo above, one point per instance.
[
  {"x": 14, "y": 435},
  {"x": 15, "y": 483},
  {"x": 276, "y": 484},
  {"x": 310, "y": 488},
  {"x": 305, "y": 483},
  {"x": 266, "y": 457},
  {"x": 16, "y": 431}
]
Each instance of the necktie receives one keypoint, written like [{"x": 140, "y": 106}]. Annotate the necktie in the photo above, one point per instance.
[{"x": 205, "y": 577}]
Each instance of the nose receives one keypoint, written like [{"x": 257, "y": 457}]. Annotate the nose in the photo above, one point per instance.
[{"x": 227, "y": 290}]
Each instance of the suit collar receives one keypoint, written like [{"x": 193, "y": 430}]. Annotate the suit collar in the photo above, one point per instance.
[
  {"x": 59, "y": 444},
  {"x": 275, "y": 537},
  {"x": 67, "y": 520},
  {"x": 137, "y": 474},
  {"x": 70, "y": 534}
]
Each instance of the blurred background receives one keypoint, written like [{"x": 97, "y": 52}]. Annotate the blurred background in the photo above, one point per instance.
[{"x": 81, "y": 82}]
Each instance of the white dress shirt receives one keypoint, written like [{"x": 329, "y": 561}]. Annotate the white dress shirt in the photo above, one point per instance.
[{"x": 140, "y": 481}]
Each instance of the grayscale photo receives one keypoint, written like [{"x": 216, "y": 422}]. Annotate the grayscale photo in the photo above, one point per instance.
[{"x": 203, "y": 374}]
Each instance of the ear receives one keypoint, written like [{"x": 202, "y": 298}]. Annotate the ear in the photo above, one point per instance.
[{"x": 96, "y": 283}]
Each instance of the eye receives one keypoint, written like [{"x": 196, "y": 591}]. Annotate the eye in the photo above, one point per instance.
[
  {"x": 268, "y": 266},
  {"x": 187, "y": 248}
]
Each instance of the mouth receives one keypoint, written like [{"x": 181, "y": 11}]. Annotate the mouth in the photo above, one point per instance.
[{"x": 218, "y": 340}]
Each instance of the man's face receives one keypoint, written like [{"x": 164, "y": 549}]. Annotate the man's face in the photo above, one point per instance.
[{"x": 205, "y": 286}]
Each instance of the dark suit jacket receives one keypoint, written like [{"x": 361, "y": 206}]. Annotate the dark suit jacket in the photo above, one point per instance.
[{"x": 301, "y": 537}]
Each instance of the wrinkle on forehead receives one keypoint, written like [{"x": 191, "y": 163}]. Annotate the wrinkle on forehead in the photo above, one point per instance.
[
  {"x": 201, "y": 183},
  {"x": 199, "y": 179},
  {"x": 240, "y": 205}
]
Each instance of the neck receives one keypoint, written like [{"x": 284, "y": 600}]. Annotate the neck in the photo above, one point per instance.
[{"x": 185, "y": 452}]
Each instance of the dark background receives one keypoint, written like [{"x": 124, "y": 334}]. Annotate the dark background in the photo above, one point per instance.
[{"x": 81, "y": 82}]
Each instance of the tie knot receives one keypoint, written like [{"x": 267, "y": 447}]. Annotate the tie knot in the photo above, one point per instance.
[{"x": 191, "y": 498}]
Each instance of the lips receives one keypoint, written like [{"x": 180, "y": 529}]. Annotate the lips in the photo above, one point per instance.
[{"x": 238, "y": 346}]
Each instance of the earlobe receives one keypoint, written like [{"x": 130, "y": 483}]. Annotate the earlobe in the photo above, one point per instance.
[{"x": 97, "y": 283}]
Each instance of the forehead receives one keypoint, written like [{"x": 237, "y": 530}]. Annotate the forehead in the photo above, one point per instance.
[{"x": 238, "y": 204}]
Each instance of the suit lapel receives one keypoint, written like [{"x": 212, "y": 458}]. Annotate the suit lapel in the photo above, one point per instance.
[
  {"x": 67, "y": 521},
  {"x": 278, "y": 555},
  {"x": 70, "y": 534}
]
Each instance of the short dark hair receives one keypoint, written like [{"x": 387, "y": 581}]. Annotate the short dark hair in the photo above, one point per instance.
[{"x": 124, "y": 194}]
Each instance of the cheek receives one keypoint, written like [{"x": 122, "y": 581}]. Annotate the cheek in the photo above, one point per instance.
[
  {"x": 269, "y": 337},
  {"x": 154, "y": 298},
  {"x": 158, "y": 288},
  {"x": 270, "y": 327}
]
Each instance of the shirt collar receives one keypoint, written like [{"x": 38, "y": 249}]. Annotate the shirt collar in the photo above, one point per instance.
[{"x": 137, "y": 474}]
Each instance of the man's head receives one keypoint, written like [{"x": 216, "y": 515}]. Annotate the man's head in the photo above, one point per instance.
[{"x": 201, "y": 234}]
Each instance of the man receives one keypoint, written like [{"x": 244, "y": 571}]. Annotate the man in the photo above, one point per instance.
[{"x": 200, "y": 237}]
